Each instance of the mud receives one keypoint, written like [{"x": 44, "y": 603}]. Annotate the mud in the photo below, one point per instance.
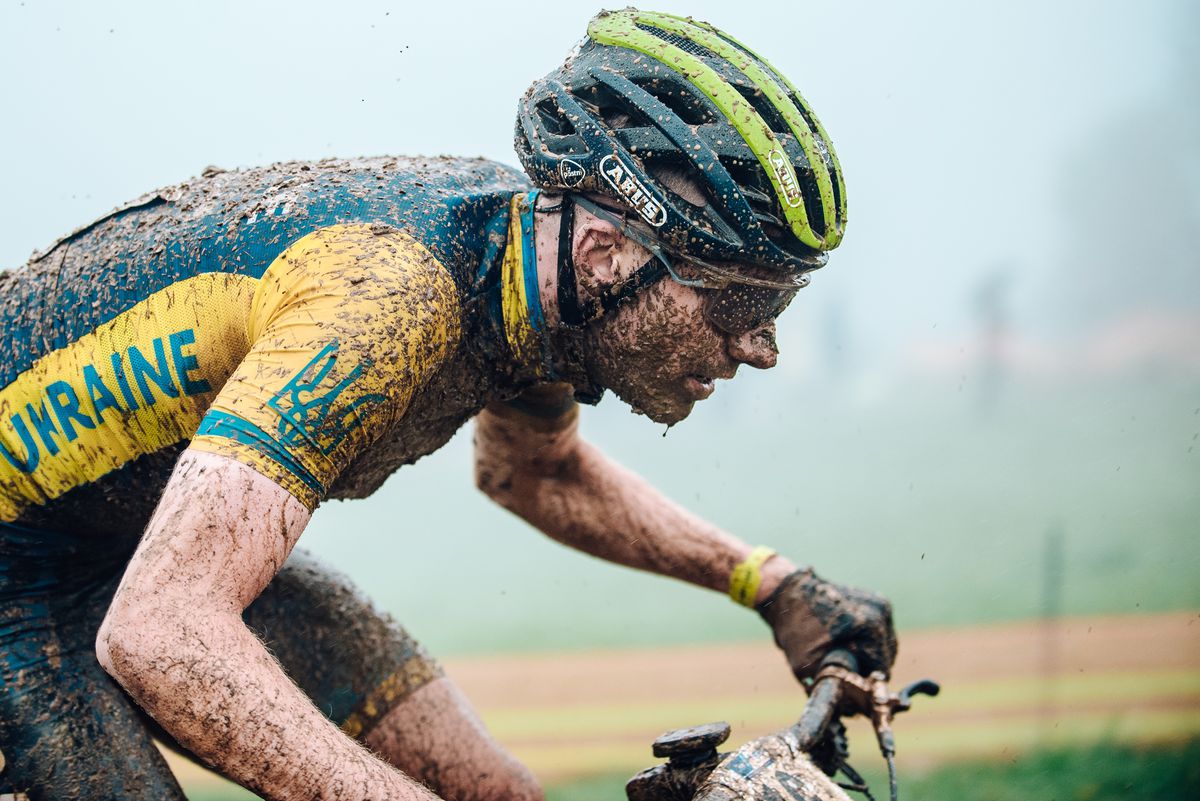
[
  {"x": 770, "y": 767},
  {"x": 646, "y": 350},
  {"x": 237, "y": 222},
  {"x": 55, "y": 701},
  {"x": 811, "y": 616},
  {"x": 355, "y": 664},
  {"x": 234, "y": 221}
]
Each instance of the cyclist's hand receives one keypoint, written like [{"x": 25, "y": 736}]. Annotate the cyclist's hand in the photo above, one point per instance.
[{"x": 811, "y": 616}]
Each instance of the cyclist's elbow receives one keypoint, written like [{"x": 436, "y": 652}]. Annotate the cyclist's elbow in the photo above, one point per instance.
[
  {"x": 495, "y": 464},
  {"x": 113, "y": 646},
  {"x": 130, "y": 641},
  {"x": 496, "y": 480}
]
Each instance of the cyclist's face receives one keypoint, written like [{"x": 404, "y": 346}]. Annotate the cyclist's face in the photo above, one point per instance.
[{"x": 660, "y": 353}]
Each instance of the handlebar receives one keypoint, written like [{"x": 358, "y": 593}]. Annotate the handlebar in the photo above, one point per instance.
[
  {"x": 816, "y": 743},
  {"x": 839, "y": 689},
  {"x": 824, "y": 698}
]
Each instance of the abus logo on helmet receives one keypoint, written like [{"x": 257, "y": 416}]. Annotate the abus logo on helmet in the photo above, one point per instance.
[
  {"x": 571, "y": 172},
  {"x": 787, "y": 177},
  {"x": 621, "y": 178}
]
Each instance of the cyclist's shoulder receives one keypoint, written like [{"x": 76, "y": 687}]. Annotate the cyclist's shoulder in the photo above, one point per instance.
[
  {"x": 443, "y": 204},
  {"x": 398, "y": 189},
  {"x": 278, "y": 203}
]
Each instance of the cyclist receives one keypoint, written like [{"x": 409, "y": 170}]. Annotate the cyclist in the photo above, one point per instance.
[{"x": 186, "y": 379}]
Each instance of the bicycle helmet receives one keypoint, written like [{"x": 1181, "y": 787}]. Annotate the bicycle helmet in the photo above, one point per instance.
[{"x": 646, "y": 94}]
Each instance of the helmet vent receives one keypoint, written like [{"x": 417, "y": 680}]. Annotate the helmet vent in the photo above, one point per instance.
[
  {"x": 674, "y": 96},
  {"x": 761, "y": 198},
  {"x": 762, "y": 104},
  {"x": 775, "y": 76},
  {"x": 686, "y": 45},
  {"x": 618, "y": 112},
  {"x": 553, "y": 118}
]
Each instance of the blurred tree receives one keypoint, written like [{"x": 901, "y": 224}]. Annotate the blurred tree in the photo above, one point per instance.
[{"x": 992, "y": 316}]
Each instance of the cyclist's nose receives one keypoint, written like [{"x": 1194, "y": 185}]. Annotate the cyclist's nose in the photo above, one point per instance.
[{"x": 756, "y": 348}]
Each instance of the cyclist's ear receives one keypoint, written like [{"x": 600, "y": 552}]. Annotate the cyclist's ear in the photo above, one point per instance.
[{"x": 599, "y": 251}]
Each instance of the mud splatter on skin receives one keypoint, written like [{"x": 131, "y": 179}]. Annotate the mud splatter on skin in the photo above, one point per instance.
[
  {"x": 543, "y": 471},
  {"x": 569, "y": 490},
  {"x": 437, "y": 736},
  {"x": 175, "y": 640},
  {"x": 644, "y": 352}
]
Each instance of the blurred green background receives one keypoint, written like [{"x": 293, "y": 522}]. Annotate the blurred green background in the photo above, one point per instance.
[
  {"x": 1057, "y": 497},
  {"x": 953, "y": 511}
]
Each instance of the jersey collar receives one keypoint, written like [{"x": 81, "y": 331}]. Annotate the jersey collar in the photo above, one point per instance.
[{"x": 520, "y": 300}]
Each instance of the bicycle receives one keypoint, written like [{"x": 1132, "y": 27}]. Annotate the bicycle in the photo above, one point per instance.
[{"x": 800, "y": 762}]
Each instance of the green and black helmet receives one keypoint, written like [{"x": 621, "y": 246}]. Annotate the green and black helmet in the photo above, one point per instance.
[{"x": 646, "y": 95}]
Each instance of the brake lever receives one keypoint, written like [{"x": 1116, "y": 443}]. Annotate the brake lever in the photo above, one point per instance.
[
  {"x": 869, "y": 695},
  {"x": 921, "y": 687}
]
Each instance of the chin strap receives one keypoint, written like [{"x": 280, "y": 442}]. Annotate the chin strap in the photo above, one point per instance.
[
  {"x": 575, "y": 314},
  {"x": 569, "y": 310}
]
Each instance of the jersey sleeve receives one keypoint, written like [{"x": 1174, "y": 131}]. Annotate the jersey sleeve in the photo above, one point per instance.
[{"x": 345, "y": 326}]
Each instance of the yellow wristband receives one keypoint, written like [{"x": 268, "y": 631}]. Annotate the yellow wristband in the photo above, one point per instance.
[{"x": 746, "y": 578}]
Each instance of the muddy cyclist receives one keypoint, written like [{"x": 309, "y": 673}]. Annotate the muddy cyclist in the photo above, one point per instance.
[{"x": 186, "y": 379}]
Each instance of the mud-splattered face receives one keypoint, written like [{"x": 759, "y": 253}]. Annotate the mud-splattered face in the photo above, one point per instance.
[
  {"x": 657, "y": 352},
  {"x": 660, "y": 355}
]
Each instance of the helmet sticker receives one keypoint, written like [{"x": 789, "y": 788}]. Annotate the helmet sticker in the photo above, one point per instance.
[
  {"x": 622, "y": 178},
  {"x": 787, "y": 177},
  {"x": 571, "y": 173}
]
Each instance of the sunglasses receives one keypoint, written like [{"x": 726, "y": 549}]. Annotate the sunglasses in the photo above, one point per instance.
[{"x": 736, "y": 302}]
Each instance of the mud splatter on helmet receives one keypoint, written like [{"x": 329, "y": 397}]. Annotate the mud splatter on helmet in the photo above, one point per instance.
[{"x": 647, "y": 95}]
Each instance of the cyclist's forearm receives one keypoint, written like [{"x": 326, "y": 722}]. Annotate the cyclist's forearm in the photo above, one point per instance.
[
  {"x": 216, "y": 689},
  {"x": 174, "y": 638},
  {"x": 577, "y": 495}
]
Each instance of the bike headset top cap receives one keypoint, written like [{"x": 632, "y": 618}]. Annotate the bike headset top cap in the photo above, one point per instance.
[{"x": 647, "y": 92}]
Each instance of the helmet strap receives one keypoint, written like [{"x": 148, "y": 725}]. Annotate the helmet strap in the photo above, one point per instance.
[
  {"x": 568, "y": 295},
  {"x": 575, "y": 314}
]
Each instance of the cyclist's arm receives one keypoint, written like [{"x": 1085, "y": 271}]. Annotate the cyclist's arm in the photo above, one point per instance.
[
  {"x": 175, "y": 640},
  {"x": 344, "y": 327},
  {"x": 530, "y": 459}
]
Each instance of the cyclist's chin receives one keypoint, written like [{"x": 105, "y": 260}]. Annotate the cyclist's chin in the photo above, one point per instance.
[
  {"x": 668, "y": 417},
  {"x": 665, "y": 408}
]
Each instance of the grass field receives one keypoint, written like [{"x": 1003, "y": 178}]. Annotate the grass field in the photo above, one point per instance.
[
  {"x": 1100, "y": 772},
  {"x": 569, "y": 716}
]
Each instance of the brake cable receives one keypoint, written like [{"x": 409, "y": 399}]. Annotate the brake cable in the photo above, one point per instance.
[{"x": 837, "y": 689}]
